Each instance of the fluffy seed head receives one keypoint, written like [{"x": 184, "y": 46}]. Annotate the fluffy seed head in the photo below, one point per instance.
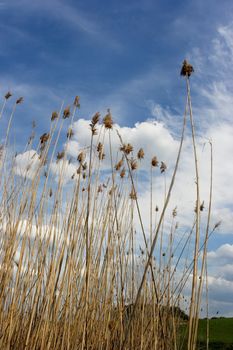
[
  {"x": 122, "y": 173},
  {"x": 154, "y": 161},
  {"x": 70, "y": 133},
  {"x": 202, "y": 206},
  {"x": 76, "y": 101},
  {"x": 174, "y": 212},
  {"x": 20, "y": 100},
  {"x": 54, "y": 115},
  {"x": 100, "y": 189},
  {"x": 84, "y": 166},
  {"x": 133, "y": 164},
  {"x": 99, "y": 147},
  {"x": 94, "y": 122},
  {"x": 95, "y": 118},
  {"x": 127, "y": 148},
  {"x": 133, "y": 194},
  {"x": 101, "y": 155},
  {"x": 141, "y": 154},
  {"x": 187, "y": 69},
  {"x": 60, "y": 155},
  {"x": 163, "y": 167},
  {"x": 217, "y": 225},
  {"x": 81, "y": 157},
  {"x": 107, "y": 121},
  {"x": 8, "y": 95},
  {"x": 44, "y": 138},
  {"x": 119, "y": 165},
  {"x": 66, "y": 112}
]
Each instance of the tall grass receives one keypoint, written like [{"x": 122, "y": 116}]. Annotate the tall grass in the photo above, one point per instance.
[{"x": 72, "y": 273}]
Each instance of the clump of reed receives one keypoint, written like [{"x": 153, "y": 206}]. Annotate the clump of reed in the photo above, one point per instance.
[{"x": 72, "y": 272}]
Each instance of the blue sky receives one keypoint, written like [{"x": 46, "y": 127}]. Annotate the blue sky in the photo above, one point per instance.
[
  {"x": 126, "y": 55},
  {"x": 108, "y": 52}
]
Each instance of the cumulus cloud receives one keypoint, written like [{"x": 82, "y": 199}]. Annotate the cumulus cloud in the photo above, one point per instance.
[
  {"x": 63, "y": 169},
  {"x": 27, "y": 164},
  {"x": 223, "y": 253},
  {"x": 154, "y": 137}
]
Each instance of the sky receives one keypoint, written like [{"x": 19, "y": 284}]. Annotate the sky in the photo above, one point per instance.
[{"x": 127, "y": 55}]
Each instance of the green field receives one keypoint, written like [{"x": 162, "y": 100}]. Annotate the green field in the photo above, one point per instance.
[{"x": 220, "y": 333}]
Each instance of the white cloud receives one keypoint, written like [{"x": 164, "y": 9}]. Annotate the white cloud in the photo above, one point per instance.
[
  {"x": 224, "y": 252},
  {"x": 220, "y": 289},
  {"x": 27, "y": 164},
  {"x": 63, "y": 170},
  {"x": 153, "y": 137}
]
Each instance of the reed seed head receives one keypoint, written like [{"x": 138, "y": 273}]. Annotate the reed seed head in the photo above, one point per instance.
[
  {"x": 112, "y": 190},
  {"x": 44, "y": 138},
  {"x": 8, "y": 95},
  {"x": 133, "y": 164},
  {"x": 119, "y": 165},
  {"x": 187, "y": 69},
  {"x": 60, "y": 155},
  {"x": 76, "y": 101},
  {"x": 107, "y": 121},
  {"x": 70, "y": 133},
  {"x": 141, "y": 154},
  {"x": 84, "y": 166},
  {"x": 94, "y": 122},
  {"x": 217, "y": 225},
  {"x": 101, "y": 156},
  {"x": 100, "y": 189},
  {"x": 81, "y": 157},
  {"x": 20, "y": 100},
  {"x": 122, "y": 173},
  {"x": 133, "y": 194},
  {"x": 99, "y": 147},
  {"x": 141, "y": 250},
  {"x": 174, "y": 212},
  {"x": 95, "y": 118},
  {"x": 202, "y": 206},
  {"x": 54, "y": 115},
  {"x": 127, "y": 148},
  {"x": 2, "y": 150},
  {"x": 163, "y": 167},
  {"x": 100, "y": 150},
  {"x": 154, "y": 162},
  {"x": 66, "y": 112}
]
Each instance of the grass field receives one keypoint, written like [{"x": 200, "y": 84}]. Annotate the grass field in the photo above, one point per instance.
[{"x": 221, "y": 333}]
